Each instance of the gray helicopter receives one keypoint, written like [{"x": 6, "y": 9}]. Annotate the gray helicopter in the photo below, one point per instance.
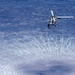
[{"x": 54, "y": 18}]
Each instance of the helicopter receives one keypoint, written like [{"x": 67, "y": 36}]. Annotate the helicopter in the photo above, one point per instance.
[{"x": 54, "y": 18}]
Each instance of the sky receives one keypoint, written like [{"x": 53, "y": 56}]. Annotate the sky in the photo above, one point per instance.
[{"x": 27, "y": 46}]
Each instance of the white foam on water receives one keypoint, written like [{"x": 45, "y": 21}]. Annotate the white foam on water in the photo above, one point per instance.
[{"x": 23, "y": 49}]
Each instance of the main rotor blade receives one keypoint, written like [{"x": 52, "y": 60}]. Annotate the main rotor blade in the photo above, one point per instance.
[
  {"x": 52, "y": 13},
  {"x": 59, "y": 17}
]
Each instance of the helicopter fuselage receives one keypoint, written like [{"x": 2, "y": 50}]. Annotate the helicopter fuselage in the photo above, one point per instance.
[{"x": 52, "y": 20}]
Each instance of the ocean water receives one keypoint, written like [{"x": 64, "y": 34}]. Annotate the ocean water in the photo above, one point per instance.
[{"x": 28, "y": 47}]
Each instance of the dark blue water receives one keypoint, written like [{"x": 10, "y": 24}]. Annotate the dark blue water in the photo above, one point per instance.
[{"x": 20, "y": 15}]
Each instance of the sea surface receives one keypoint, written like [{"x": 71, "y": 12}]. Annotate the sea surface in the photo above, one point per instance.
[{"x": 27, "y": 46}]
